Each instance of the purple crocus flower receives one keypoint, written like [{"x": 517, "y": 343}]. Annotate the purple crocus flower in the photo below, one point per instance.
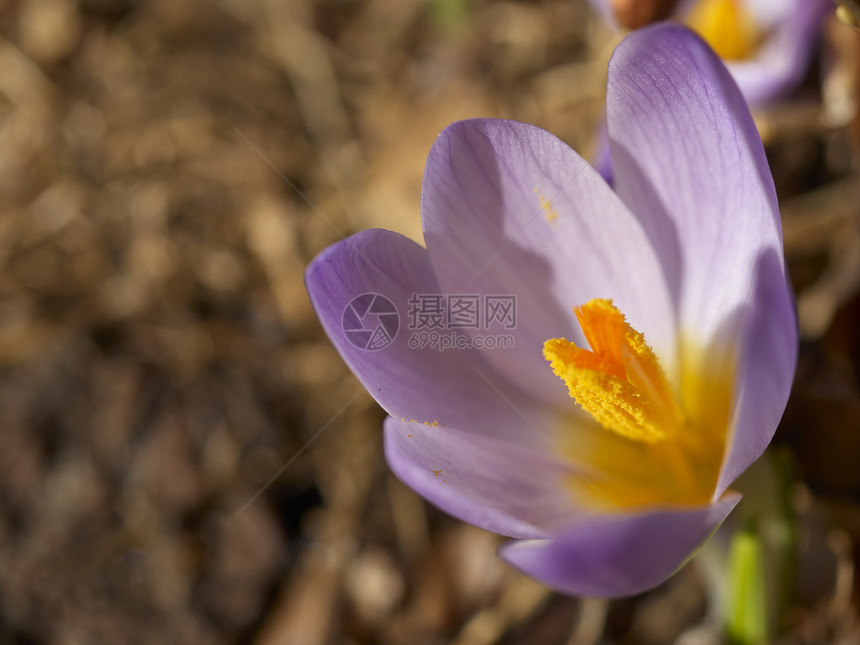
[
  {"x": 766, "y": 44},
  {"x": 680, "y": 352}
]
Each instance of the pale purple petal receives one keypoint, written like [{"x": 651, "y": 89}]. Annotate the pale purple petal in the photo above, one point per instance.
[
  {"x": 688, "y": 161},
  {"x": 767, "y": 360},
  {"x": 769, "y": 13},
  {"x": 484, "y": 187},
  {"x": 792, "y": 29},
  {"x": 602, "y": 157},
  {"x": 621, "y": 554},
  {"x": 494, "y": 484},
  {"x": 448, "y": 387},
  {"x": 783, "y": 59}
]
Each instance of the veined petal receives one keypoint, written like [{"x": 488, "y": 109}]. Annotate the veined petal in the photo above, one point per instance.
[
  {"x": 447, "y": 387},
  {"x": 508, "y": 208},
  {"x": 766, "y": 369},
  {"x": 689, "y": 161},
  {"x": 494, "y": 484},
  {"x": 611, "y": 555}
]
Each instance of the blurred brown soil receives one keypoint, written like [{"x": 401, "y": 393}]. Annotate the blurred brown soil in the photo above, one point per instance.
[{"x": 183, "y": 456}]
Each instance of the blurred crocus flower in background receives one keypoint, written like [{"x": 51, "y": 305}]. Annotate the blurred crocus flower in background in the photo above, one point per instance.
[
  {"x": 605, "y": 440},
  {"x": 766, "y": 44}
]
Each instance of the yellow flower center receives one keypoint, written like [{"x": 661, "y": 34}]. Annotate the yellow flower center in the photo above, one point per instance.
[
  {"x": 727, "y": 26},
  {"x": 660, "y": 448},
  {"x": 620, "y": 383}
]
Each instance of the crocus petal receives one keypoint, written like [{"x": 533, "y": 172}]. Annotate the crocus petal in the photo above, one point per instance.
[
  {"x": 485, "y": 187},
  {"x": 784, "y": 58},
  {"x": 687, "y": 159},
  {"x": 769, "y": 13},
  {"x": 791, "y": 28},
  {"x": 615, "y": 555},
  {"x": 491, "y": 483},
  {"x": 450, "y": 387},
  {"x": 766, "y": 371}
]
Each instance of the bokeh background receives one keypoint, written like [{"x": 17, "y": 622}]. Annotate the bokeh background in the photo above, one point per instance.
[{"x": 183, "y": 456}]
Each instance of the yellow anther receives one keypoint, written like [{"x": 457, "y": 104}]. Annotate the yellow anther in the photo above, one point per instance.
[
  {"x": 620, "y": 381},
  {"x": 727, "y": 26}
]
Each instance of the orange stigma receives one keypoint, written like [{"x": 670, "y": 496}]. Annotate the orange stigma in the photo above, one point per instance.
[{"x": 620, "y": 381}]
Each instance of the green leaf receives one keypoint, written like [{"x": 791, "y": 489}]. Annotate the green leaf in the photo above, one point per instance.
[{"x": 746, "y": 602}]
